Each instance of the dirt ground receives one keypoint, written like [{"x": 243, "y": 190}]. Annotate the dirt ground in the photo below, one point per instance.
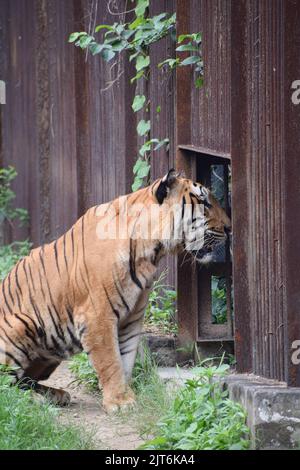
[{"x": 109, "y": 432}]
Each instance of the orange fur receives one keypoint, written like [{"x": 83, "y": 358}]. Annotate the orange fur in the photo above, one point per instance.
[{"x": 84, "y": 292}]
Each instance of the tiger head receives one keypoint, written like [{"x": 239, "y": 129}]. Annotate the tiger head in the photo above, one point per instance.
[{"x": 199, "y": 222}]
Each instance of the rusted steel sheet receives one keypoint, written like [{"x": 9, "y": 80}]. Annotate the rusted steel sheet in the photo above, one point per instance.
[
  {"x": 186, "y": 273},
  {"x": 210, "y": 112},
  {"x": 105, "y": 122},
  {"x": 162, "y": 93},
  {"x": 241, "y": 188},
  {"x": 291, "y": 195},
  {"x": 265, "y": 162},
  {"x": 73, "y": 131}
]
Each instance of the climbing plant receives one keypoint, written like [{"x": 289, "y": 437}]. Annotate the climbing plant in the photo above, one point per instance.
[{"x": 136, "y": 37}]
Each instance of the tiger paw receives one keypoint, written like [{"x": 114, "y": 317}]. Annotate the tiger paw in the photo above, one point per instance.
[{"x": 122, "y": 402}]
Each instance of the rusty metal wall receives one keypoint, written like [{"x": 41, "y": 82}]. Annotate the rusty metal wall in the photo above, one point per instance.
[
  {"x": 67, "y": 126},
  {"x": 210, "y": 110},
  {"x": 163, "y": 124},
  {"x": 265, "y": 162}
]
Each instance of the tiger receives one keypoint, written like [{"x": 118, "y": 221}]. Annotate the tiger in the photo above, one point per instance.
[{"x": 88, "y": 290}]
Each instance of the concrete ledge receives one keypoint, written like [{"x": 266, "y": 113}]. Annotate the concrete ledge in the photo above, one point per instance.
[
  {"x": 273, "y": 411},
  {"x": 163, "y": 349}
]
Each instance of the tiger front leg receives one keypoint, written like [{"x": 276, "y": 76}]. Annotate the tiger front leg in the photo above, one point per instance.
[
  {"x": 129, "y": 335},
  {"x": 102, "y": 346}
]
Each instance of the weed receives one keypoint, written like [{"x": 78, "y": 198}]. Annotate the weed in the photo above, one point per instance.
[
  {"x": 30, "y": 425},
  {"x": 202, "y": 417},
  {"x": 161, "y": 309},
  {"x": 10, "y": 254}
]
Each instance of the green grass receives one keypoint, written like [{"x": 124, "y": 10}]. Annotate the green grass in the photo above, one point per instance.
[{"x": 26, "y": 424}]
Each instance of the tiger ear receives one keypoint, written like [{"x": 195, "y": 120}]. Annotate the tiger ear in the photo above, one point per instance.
[{"x": 167, "y": 182}]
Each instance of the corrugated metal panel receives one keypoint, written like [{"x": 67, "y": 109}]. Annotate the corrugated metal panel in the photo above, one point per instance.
[
  {"x": 73, "y": 135},
  {"x": 265, "y": 162},
  {"x": 162, "y": 93},
  {"x": 210, "y": 112},
  {"x": 291, "y": 196}
]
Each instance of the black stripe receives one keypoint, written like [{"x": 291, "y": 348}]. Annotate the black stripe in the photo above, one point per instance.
[
  {"x": 127, "y": 352},
  {"x": 57, "y": 327},
  {"x": 56, "y": 257},
  {"x": 121, "y": 296},
  {"x": 70, "y": 315},
  {"x": 41, "y": 284},
  {"x": 9, "y": 288},
  {"x": 37, "y": 313},
  {"x": 5, "y": 319},
  {"x": 111, "y": 305},
  {"x": 12, "y": 357},
  {"x": 33, "y": 322},
  {"x": 4, "y": 297},
  {"x": 58, "y": 348},
  {"x": 31, "y": 278},
  {"x": 74, "y": 339},
  {"x": 131, "y": 323},
  {"x": 15, "y": 345},
  {"x": 183, "y": 206},
  {"x": 28, "y": 331},
  {"x": 72, "y": 241},
  {"x": 130, "y": 337},
  {"x": 24, "y": 269},
  {"x": 81, "y": 331},
  {"x": 157, "y": 250},
  {"x": 16, "y": 277},
  {"x": 83, "y": 250},
  {"x": 18, "y": 299},
  {"x": 193, "y": 197},
  {"x": 65, "y": 255},
  {"x": 132, "y": 255}
]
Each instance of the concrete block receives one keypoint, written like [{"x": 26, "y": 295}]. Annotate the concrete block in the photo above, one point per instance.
[{"x": 273, "y": 411}]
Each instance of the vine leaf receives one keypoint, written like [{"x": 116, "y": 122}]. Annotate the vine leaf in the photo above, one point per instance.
[
  {"x": 141, "y": 7},
  {"x": 143, "y": 127},
  {"x": 142, "y": 62},
  {"x": 108, "y": 54},
  {"x": 104, "y": 26},
  {"x": 74, "y": 36},
  {"x": 199, "y": 82},
  {"x": 187, "y": 47},
  {"x": 193, "y": 59},
  {"x": 138, "y": 102},
  {"x": 141, "y": 168}
]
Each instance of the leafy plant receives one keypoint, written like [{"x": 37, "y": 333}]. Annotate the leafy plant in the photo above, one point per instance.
[
  {"x": 136, "y": 38},
  {"x": 7, "y": 211},
  {"x": 10, "y": 254},
  {"x": 161, "y": 309},
  {"x": 27, "y": 424},
  {"x": 202, "y": 417},
  {"x": 219, "y": 301},
  {"x": 84, "y": 372}
]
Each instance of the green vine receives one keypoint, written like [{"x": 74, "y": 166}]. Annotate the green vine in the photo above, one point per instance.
[{"x": 136, "y": 38}]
